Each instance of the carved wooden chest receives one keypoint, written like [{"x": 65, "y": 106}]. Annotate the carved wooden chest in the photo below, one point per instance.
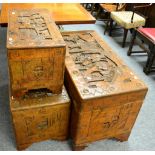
[
  {"x": 105, "y": 93},
  {"x": 38, "y": 116},
  {"x": 36, "y": 52}
]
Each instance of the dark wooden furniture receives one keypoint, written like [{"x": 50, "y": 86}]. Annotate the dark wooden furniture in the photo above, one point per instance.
[
  {"x": 61, "y": 13},
  {"x": 106, "y": 95},
  {"x": 129, "y": 19},
  {"x": 36, "y": 52},
  {"x": 88, "y": 6},
  {"x": 148, "y": 36},
  {"x": 107, "y": 8},
  {"x": 150, "y": 22},
  {"x": 38, "y": 116}
]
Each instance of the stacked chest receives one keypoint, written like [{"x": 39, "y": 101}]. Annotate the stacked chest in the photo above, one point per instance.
[
  {"x": 105, "y": 93},
  {"x": 39, "y": 116},
  {"x": 39, "y": 103},
  {"x": 36, "y": 52}
]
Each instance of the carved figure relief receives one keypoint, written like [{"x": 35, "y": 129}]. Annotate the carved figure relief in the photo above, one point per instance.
[
  {"x": 38, "y": 71},
  {"x": 90, "y": 58},
  {"x": 50, "y": 122},
  {"x": 33, "y": 26},
  {"x": 104, "y": 121}
]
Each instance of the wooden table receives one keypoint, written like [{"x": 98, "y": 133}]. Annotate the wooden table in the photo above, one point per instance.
[{"x": 62, "y": 13}]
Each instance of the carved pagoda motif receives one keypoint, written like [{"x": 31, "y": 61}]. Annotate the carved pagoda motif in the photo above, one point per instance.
[
  {"x": 33, "y": 25},
  {"x": 90, "y": 58}
]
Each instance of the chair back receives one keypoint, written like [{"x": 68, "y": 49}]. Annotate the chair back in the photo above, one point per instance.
[
  {"x": 145, "y": 8},
  {"x": 121, "y": 6}
]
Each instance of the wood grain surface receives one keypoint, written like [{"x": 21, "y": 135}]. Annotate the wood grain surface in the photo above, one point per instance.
[
  {"x": 61, "y": 13},
  {"x": 36, "y": 52},
  {"x": 106, "y": 94},
  {"x": 38, "y": 116}
]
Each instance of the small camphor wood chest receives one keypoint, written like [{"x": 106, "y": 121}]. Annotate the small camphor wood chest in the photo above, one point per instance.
[
  {"x": 39, "y": 116},
  {"x": 36, "y": 52},
  {"x": 106, "y": 95}
]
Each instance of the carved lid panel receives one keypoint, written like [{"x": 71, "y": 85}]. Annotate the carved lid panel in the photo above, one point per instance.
[
  {"x": 39, "y": 98},
  {"x": 32, "y": 29},
  {"x": 95, "y": 68}
]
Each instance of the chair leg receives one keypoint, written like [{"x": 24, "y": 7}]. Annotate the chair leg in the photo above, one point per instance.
[
  {"x": 88, "y": 6},
  {"x": 124, "y": 38},
  {"x": 150, "y": 60},
  {"x": 106, "y": 27},
  {"x": 132, "y": 42},
  {"x": 98, "y": 12},
  {"x": 111, "y": 26},
  {"x": 107, "y": 23},
  {"x": 92, "y": 8}
]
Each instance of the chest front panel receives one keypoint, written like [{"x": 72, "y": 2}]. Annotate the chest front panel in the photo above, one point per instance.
[
  {"x": 36, "y": 68},
  {"x": 40, "y": 115},
  {"x": 40, "y": 124}
]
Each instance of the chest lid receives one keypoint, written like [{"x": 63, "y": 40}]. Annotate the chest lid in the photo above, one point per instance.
[
  {"x": 39, "y": 98},
  {"x": 95, "y": 69},
  {"x": 32, "y": 29}
]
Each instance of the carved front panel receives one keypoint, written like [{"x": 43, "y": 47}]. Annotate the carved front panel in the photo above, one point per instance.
[
  {"x": 34, "y": 70},
  {"x": 37, "y": 68},
  {"x": 40, "y": 124},
  {"x": 110, "y": 120},
  {"x": 107, "y": 122}
]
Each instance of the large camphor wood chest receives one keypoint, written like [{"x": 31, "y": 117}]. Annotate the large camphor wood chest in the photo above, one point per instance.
[
  {"x": 106, "y": 95},
  {"x": 40, "y": 115},
  {"x": 36, "y": 52}
]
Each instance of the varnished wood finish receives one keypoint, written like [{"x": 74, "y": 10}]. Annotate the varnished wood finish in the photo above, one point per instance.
[
  {"x": 61, "y": 13},
  {"x": 40, "y": 116},
  {"x": 108, "y": 7},
  {"x": 36, "y": 52},
  {"x": 113, "y": 7},
  {"x": 149, "y": 66},
  {"x": 106, "y": 95}
]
